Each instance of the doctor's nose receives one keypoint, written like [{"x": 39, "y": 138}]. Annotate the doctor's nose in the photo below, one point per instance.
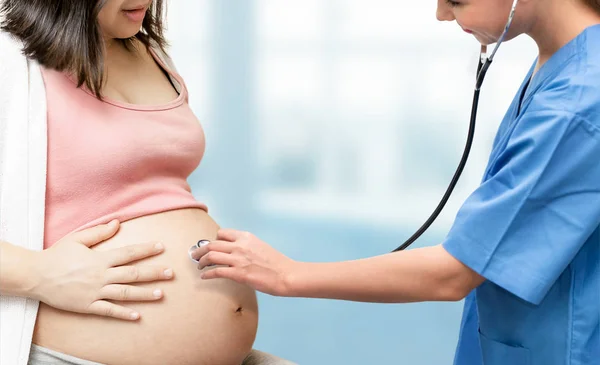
[{"x": 443, "y": 12}]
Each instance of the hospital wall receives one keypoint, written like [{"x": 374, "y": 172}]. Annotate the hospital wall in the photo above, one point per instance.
[{"x": 333, "y": 128}]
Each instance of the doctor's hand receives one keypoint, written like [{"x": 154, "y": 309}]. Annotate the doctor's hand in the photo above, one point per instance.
[{"x": 242, "y": 257}]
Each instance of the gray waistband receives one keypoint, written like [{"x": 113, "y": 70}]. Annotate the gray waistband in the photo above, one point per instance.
[{"x": 42, "y": 356}]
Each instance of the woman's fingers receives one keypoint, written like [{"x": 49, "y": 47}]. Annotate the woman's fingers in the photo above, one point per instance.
[
  {"x": 97, "y": 234},
  {"x": 215, "y": 258},
  {"x": 137, "y": 274},
  {"x": 128, "y": 254},
  {"x": 107, "y": 309},
  {"x": 129, "y": 293}
]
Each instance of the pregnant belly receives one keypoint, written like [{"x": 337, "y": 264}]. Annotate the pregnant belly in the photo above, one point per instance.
[{"x": 197, "y": 322}]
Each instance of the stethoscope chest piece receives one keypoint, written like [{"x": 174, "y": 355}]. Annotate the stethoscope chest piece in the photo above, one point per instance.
[{"x": 195, "y": 247}]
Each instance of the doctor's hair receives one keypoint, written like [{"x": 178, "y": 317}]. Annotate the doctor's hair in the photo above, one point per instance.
[
  {"x": 593, "y": 4},
  {"x": 64, "y": 35}
]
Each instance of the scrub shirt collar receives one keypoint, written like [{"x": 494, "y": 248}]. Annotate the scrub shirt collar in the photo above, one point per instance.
[{"x": 558, "y": 59}]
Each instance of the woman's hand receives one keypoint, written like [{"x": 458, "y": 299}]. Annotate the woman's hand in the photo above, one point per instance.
[
  {"x": 72, "y": 277},
  {"x": 247, "y": 260}
]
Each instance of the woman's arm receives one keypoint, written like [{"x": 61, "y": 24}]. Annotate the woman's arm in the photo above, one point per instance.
[
  {"x": 72, "y": 277},
  {"x": 17, "y": 277},
  {"x": 424, "y": 274}
]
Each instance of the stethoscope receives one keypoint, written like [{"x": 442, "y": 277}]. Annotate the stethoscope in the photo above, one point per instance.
[
  {"x": 482, "y": 67},
  {"x": 198, "y": 244}
]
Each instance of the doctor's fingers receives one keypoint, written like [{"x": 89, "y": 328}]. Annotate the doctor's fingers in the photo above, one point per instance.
[
  {"x": 215, "y": 258},
  {"x": 232, "y": 273},
  {"x": 232, "y": 235},
  {"x": 213, "y": 246},
  {"x": 258, "y": 278}
]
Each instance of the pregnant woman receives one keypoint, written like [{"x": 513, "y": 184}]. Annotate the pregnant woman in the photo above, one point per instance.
[{"x": 113, "y": 211}]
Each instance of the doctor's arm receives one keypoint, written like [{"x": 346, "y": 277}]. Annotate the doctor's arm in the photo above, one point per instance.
[
  {"x": 423, "y": 274},
  {"x": 538, "y": 206}
]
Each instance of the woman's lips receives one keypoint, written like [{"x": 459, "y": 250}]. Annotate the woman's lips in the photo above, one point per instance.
[
  {"x": 468, "y": 31},
  {"x": 135, "y": 15}
]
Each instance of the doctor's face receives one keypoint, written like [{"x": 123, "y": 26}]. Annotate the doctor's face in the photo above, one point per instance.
[
  {"x": 484, "y": 19},
  {"x": 122, "y": 19}
]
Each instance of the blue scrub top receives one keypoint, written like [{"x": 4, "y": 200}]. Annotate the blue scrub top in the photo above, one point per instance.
[{"x": 532, "y": 227}]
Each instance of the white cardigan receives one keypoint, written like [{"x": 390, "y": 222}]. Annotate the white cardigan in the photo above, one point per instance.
[
  {"x": 22, "y": 184},
  {"x": 23, "y": 148}
]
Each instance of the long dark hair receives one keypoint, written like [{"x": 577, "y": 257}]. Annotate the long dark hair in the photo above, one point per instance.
[{"x": 64, "y": 34}]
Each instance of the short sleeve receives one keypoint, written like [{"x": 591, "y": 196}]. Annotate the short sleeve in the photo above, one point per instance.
[{"x": 538, "y": 204}]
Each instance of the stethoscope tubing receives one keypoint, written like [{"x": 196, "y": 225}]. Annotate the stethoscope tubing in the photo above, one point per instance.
[{"x": 483, "y": 65}]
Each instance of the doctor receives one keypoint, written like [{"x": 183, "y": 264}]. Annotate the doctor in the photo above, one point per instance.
[{"x": 525, "y": 247}]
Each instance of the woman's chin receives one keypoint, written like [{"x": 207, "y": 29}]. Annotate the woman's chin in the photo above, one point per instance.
[{"x": 123, "y": 34}]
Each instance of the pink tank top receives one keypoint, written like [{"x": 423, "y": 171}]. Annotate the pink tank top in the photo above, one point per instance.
[{"x": 108, "y": 159}]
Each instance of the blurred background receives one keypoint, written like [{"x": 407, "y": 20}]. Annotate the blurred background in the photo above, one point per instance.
[{"x": 333, "y": 128}]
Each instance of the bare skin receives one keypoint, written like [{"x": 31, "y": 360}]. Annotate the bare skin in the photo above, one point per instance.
[{"x": 109, "y": 294}]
